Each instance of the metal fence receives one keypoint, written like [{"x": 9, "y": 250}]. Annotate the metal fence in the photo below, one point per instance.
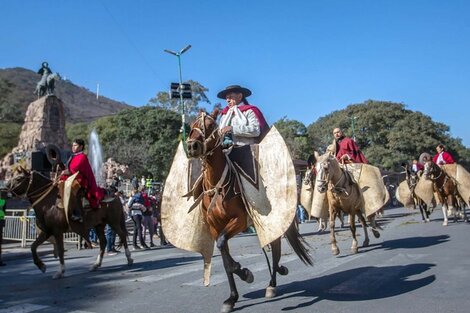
[{"x": 22, "y": 227}]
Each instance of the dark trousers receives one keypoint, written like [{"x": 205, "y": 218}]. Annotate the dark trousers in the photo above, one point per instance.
[
  {"x": 137, "y": 219},
  {"x": 110, "y": 238}
]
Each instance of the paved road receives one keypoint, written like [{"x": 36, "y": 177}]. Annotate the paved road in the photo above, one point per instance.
[{"x": 413, "y": 267}]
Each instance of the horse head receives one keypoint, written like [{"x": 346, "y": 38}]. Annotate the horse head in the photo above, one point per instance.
[
  {"x": 204, "y": 136},
  {"x": 431, "y": 170},
  {"x": 323, "y": 171},
  {"x": 19, "y": 183}
]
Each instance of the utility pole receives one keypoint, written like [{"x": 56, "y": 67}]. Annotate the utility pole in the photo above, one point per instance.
[
  {"x": 182, "y": 88},
  {"x": 353, "y": 120}
]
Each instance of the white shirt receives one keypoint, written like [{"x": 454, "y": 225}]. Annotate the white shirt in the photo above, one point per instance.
[
  {"x": 245, "y": 125},
  {"x": 440, "y": 159}
]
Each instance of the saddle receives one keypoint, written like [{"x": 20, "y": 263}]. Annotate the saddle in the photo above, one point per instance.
[{"x": 244, "y": 163}]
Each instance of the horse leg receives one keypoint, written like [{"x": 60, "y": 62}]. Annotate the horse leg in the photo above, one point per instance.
[
  {"x": 374, "y": 226},
  {"x": 423, "y": 206},
  {"x": 121, "y": 231},
  {"x": 276, "y": 269},
  {"x": 451, "y": 211},
  {"x": 352, "y": 226},
  {"x": 444, "y": 212},
  {"x": 334, "y": 247},
  {"x": 362, "y": 219},
  {"x": 230, "y": 267},
  {"x": 341, "y": 218},
  {"x": 102, "y": 238},
  {"x": 34, "y": 247},
  {"x": 59, "y": 239}
]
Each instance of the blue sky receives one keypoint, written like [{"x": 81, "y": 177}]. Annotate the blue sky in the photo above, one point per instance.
[{"x": 301, "y": 59}]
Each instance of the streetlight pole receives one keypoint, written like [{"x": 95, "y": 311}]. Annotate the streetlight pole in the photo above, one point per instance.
[
  {"x": 353, "y": 119},
  {"x": 183, "y": 115}
]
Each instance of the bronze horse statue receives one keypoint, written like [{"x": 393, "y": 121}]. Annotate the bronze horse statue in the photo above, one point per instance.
[
  {"x": 52, "y": 219},
  {"x": 344, "y": 194},
  {"x": 445, "y": 188},
  {"x": 225, "y": 210}
]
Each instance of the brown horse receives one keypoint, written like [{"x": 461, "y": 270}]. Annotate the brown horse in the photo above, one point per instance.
[
  {"x": 345, "y": 195},
  {"x": 224, "y": 208},
  {"x": 412, "y": 179},
  {"x": 446, "y": 190},
  {"x": 51, "y": 219}
]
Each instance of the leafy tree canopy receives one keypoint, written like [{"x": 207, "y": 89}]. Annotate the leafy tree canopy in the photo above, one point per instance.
[
  {"x": 295, "y": 136},
  {"x": 192, "y": 106},
  {"x": 387, "y": 133},
  {"x": 144, "y": 138}
]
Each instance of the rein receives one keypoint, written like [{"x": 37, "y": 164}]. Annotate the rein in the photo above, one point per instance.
[
  {"x": 40, "y": 193},
  {"x": 206, "y": 140}
]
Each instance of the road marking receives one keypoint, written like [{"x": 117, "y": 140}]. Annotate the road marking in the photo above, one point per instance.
[{"x": 23, "y": 308}]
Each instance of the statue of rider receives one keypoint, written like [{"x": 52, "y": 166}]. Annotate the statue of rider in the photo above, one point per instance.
[{"x": 44, "y": 71}]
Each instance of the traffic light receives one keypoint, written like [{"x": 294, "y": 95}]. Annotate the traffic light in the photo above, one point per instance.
[{"x": 185, "y": 90}]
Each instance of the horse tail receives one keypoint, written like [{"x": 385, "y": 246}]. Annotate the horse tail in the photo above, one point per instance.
[{"x": 298, "y": 244}]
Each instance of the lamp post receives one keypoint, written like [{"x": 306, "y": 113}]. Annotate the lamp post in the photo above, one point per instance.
[
  {"x": 181, "y": 89},
  {"x": 353, "y": 119}
]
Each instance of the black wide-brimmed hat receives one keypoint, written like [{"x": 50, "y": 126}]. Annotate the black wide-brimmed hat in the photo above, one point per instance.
[{"x": 234, "y": 88}]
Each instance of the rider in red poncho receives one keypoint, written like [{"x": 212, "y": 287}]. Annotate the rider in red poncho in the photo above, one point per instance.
[
  {"x": 79, "y": 163},
  {"x": 346, "y": 149}
]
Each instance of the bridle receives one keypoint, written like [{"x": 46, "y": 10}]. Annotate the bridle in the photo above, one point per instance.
[
  {"x": 200, "y": 127},
  {"x": 324, "y": 178},
  {"x": 40, "y": 193}
]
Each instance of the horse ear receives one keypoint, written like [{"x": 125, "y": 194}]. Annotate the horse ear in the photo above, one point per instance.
[{"x": 215, "y": 113}]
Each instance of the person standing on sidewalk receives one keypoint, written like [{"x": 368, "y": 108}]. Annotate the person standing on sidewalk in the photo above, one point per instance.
[{"x": 3, "y": 200}]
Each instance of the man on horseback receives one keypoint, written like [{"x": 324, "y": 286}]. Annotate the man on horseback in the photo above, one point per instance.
[
  {"x": 346, "y": 149},
  {"x": 241, "y": 123},
  {"x": 442, "y": 157},
  {"x": 78, "y": 162}
]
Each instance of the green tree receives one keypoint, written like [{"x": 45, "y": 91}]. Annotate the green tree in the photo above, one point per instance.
[
  {"x": 11, "y": 119},
  {"x": 296, "y": 137},
  {"x": 387, "y": 133},
  {"x": 192, "y": 106},
  {"x": 144, "y": 138}
]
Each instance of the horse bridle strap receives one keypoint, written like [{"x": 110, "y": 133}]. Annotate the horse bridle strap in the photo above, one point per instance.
[{"x": 213, "y": 192}]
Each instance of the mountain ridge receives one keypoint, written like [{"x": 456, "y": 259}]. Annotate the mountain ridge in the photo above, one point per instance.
[{"x": 80, "y": 104}]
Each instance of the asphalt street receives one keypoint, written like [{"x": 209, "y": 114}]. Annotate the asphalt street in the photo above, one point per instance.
[{"x": 412, "y": 267}]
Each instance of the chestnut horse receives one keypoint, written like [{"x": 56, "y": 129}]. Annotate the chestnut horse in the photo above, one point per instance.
[
  {"x": 224, "y": 209},
  {"x": 344, "y": 194},
  {"x": 51, "y": 219},
  {"x": 446, "y": 190}
]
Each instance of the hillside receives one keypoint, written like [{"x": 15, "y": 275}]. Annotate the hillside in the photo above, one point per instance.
[{"x": 81, "y": 105}]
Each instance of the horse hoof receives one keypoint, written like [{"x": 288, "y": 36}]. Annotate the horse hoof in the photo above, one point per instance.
[
  {"x": 365, "y": 243},
  {"x": 43, "y": 268},
  {"x": 249, "y": 278},
  {"x": 58, "y": 275},
  {"x": 227, "y": 307},
  {"x": 93, "y": 268},
  {"x": 270, "y": 292},
  {"x": 335, "y": 251},
  {"x": 283, "y": 270},
  {"x": 376, "y": 233},
  {"x": 445, "y": 223},
  {"x": 130, "y": 262},
  {"x": 354, "y": 250}
]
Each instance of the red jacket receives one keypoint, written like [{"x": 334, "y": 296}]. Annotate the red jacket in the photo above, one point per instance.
[
  {"x": 348, "y": 146},
  {"x": 79, "y": 163},
  {"x": 448, "y": 159}
]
